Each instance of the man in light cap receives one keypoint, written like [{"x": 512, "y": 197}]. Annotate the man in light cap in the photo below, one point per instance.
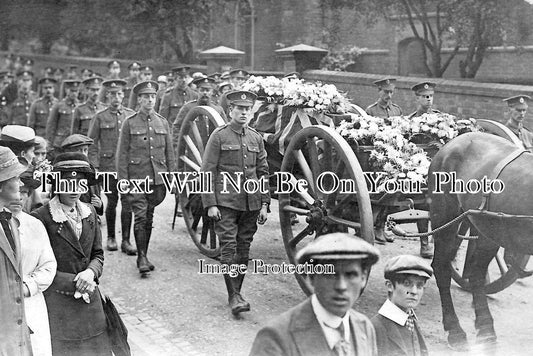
[
  {"x": 144, "y": 150},
  {"x": 21, "y": 140},
  {"x": 40, "y": 109},
  {"x": 20, "y": 107},
  {"x": 104, "y": 130},
  {"x": 384, "y": 107},
  {"x": 325, "y": 323},
  {"x": 424, "y": 92},
  {"x": 397, "y": 329},
  {"x": 235, "y": 149},
  {"x": 517, "y": 114},
  {"x": 15, "y": 335},
  {"x": 176, "y": 97},
  {"x": 59, "y": 121},
  {"x": 86, "y": 111}
]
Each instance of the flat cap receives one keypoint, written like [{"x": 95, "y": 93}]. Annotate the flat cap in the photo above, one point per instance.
[
  {"x": 76, "y": 140},
  {"x": 146, "y": 87},
  {"x": 17, "y": 135},
  {"x": 93, "y": 82},
  {"x": 134, "y": 65},
  {"x": 517, "y": 100},
  {"x": 238, "y": 73},
  {"x": 71, "y": 83},
  {"x": 72, "y": 162},
  {"x": 338, "y": 246},
  {"x": 113, "y": 63},
  {"x": 424, "y": 88},
  {"x": 385, "y": 83},
  {"x": 241, "y": 98},
  {"x": 408, "y": 264},
  {"x": 205, "y": 82},
  {"x": 47, "y": 80}
]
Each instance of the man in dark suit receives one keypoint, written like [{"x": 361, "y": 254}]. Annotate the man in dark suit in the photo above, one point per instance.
[
  {"x": 325, "y": 323},
  {"x": 396, "y": 324}
]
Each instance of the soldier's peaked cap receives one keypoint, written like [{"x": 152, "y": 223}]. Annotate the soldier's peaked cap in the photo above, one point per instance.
[
  {"x": 181, "y": 69},
  {"x": 25, "y": 73},
  {"x": 385, "y": 83},
  {"x": 241, "y": 98},
  {"x": 408, "y": 264},
  {"x": 424, "y": 88},
  {"x": 114, "y": 84},
  {"x": 112, "y": 63},
  {"x": 517, "y": 99},
  {"x": 238, "y": 73},
  {"x": 93, "y": 82},
  {"x": 338, "y": 246},
  {"x": 47, "y": 80},
  {"x": 206, "y": 82},
  {"x": 71, "y": 83},
  {"x": 134, "y": 65},
  {"x": 146, "y": 87}
]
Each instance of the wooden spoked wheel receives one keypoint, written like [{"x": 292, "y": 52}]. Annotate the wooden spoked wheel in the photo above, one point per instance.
[
  {"x": 321, "y": 209},
  {"x": 195, "y": 130},
  {"x": 501, "y": 273}
]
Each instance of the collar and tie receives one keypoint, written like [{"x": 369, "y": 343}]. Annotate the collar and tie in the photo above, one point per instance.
[
  {"x": 342, "y": 347},
  {"x": 5, "y": 216},
  {"x": 410, "y": 323}
]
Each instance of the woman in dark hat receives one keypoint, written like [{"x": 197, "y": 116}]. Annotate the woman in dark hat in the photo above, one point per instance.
[{"x": 77, "y": 319}]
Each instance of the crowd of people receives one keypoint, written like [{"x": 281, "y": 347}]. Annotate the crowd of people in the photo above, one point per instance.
[{"x": 52, "y": 250}]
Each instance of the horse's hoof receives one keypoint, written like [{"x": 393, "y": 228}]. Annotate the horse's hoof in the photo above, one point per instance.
[
  {"x": 486, "y": 337},
  {"x": 457, "y": 341}
]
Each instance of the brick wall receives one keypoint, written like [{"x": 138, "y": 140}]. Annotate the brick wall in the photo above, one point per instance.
[{"x": 461, "y": 98}]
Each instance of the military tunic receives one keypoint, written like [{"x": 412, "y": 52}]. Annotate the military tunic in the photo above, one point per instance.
[
  {"x": 20, "y": 109},
  {"x": 420, "y": 113},
  {"x": 176, "y": 126},
  {"x": 130, "y": 83},
  {"x": 59, "y": 122},
  {"x": 235, "y": 150},
  {"x": 522, "y": 132},
  {"x": 4, "y": 112},
  {"x": 378, "y": 110},
  {"x": 173, "y": 101},
  {"x": 83, "y": 115},
  {"x": 39, "y": 112}
]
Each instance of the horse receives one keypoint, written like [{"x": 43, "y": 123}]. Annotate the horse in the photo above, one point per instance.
[{"x": 501, "y": 216}]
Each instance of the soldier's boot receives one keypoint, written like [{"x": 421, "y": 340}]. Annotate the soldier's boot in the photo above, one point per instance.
[
  {"x": 110, "y": 216},
  {"x": 149, "y": 235},
  {"x": 244, "y": 305},
  {"x": 232, "y": 299},
  {"x": 126, "y": 246},
  {"x": 141, "y": 241},
  {"x": 425, "y": 249}
]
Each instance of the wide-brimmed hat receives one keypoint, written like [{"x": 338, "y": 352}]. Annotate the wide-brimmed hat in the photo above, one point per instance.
[
  {"x": 10, "y": 166},
  {"x": 17, "y": 137}
]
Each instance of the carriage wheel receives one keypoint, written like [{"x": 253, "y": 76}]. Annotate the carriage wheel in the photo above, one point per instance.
[
  {"x": 498, "y": 129},
  {"x": 499, "y": 275},
  {"x": 194, "y": 133},
  {"x": 311, "y": 151}
]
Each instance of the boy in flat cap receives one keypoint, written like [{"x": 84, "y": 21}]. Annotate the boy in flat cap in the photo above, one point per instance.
[
  {"x": 177, "y": 96},
  {"x": 397, "y": 329},
  {"x": 384, "y": 107},
  {"x": 104, "y": 130},
  {"x": 20, "y": 107},
  {"x": 325, "y": 323},
  {"x": 86, "y": 111},
  {"x": 59, "y": 123},
  {"x": 144, "y": 150},
  {"x": 517, "y": 114},
  {"x": 235, "y": 149},
  {"x": 40, "y": 109}
]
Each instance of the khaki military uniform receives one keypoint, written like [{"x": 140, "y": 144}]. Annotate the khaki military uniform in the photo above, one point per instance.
[
  {"x": 173, "y": 101},
  {"x": 83, "y": 115},
  {"x": 39, "y": 112},
  {"x": 377, "y": 110},
  {"x": 235, "y": 150},
  {"x": 20, "y": 109},
  {"x": 130, "y": 83},
  {"x": 4, "y": 112},
  {"x": 59, "y": 122},
  {"x": 420, "y": 113},
  {"x": 522, "y": 132}
]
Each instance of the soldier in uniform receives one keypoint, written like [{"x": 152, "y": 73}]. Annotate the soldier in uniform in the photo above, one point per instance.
[
  {"x": 424, "y": 98},
  {"x": 113, "y": 68},
  {"x": 27, "y": 65},
  {"x": 145, "y": 74},
  {"x": 72, "y": 72},
  {"x": 177, "y": 96},
  {"x": 86, "y": 73},
  {"x": 40, "y": 109},
  {"x": 144, "y": 150},
  {"x": 59, "y": 122},
  {"x": 162, "y": 80},
  {"x": 86, "y": 111},
  {"x": 4, "y": 111},
  {"x": 384, "y": 107},
  {"x": 134, "y": 69},
  {"x": 104, "y": 130},
  {"x": 236, "y": 149},
  {"x": 58, "y": 76},
  {"x": 517, "y": 114},
  {"x": 237, "y": 77},
  {"x": 216, "y": 76},
  {"x": 20, "y": 107}
]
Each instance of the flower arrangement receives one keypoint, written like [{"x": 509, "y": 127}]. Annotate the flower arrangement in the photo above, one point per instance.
[{"x": 270, "y": 88}]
